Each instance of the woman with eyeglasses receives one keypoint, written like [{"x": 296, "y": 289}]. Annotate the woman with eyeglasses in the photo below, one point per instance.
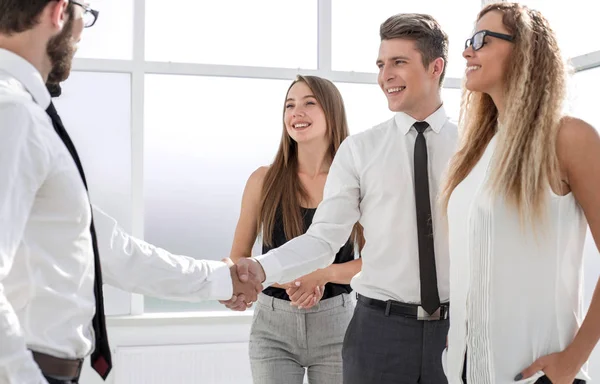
[{"x": 518, "y": 194}]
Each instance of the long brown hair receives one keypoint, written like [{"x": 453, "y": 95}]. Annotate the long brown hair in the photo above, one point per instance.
[
  {"x": 525, "y": 162},
  {"x": 282, "y": 188}
]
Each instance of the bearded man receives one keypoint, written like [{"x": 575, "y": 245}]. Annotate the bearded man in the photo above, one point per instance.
[{"x": 54, "y": 245}]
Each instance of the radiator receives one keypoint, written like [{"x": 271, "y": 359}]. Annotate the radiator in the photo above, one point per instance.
[{"x": 223, "y": 363}]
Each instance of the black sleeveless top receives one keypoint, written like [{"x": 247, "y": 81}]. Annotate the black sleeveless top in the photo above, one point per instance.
[{"x": 345, "y": 254}]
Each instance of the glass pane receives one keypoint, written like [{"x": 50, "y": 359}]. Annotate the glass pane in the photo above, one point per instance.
[
  {"x": 96, "y": 110},
  {"x": 203, "y": 138},
  {"x": 584, "y": 96},
  {"x": 575, "y": 24},
  {"x": 355, "y": 29},
  {"x": 112, "y": 35},
  {"x": 366, "y": 106},
  {"x": 269, "y": 33},
  {"x": 451, "y": 99}
]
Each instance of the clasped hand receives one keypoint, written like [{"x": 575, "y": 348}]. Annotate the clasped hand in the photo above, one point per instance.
[
  {"x": 247, "y": 277},
  {"x": 308, "y": 290}
]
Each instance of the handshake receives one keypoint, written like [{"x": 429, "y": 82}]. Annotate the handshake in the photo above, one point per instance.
[{"x": 247, "y": 277}]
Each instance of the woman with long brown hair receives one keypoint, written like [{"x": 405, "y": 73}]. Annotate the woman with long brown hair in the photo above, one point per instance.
[
  {"x": 518, "y": 194},
  {"x": 299, "y": 325}
]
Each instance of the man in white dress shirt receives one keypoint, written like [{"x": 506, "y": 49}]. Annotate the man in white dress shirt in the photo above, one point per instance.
[
  {"x": 51, "y": 313},
  {"x": 388, "y": 177}
]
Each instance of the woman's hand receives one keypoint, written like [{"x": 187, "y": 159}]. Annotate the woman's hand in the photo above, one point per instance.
[
  {"x": 560, "y": 368},
  {"x": 308, "y": 290}
]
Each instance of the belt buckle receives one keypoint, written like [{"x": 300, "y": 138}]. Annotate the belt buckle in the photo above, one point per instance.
[{"x": 423, "y": 315}]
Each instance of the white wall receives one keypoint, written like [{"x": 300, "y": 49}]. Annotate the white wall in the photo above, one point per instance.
[{"x": 183, "y": 330}]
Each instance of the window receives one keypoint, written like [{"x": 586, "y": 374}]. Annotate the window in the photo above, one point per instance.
[
  {"x": 451, "y": 99},
  {"x": 112, "y": 35},
  {"x": 204, "y": 136},
  {"x": 355, "y": 30},
  {"x": 99, "y": 123},
  {"x": 584, "y": 98},
  {"x": 574, "y": 23},
  {"x": 199, "y": 155},
  {"x": 366, "y": 106},
  {"x": 269, "y": 33}
]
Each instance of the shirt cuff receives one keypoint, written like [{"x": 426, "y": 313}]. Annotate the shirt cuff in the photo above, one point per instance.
[
  {"x": 23, "y": 369},
  {"x": 221, "y": 285},
  {"x": 272, "y": 267}
]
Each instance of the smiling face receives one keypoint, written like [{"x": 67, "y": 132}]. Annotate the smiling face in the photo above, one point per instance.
[
  {"x": 303, "y": 117},
  {"x": 487, "y": 67},
  {"x": 407, "y": 83}
]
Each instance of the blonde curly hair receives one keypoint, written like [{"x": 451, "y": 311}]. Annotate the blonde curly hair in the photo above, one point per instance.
[{"x": 526, "y": 162}]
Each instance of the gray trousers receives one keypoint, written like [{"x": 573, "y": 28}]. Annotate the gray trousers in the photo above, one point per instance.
[
  {"x": 393, "y": 349},
  {"x": 286, "y": 341}
]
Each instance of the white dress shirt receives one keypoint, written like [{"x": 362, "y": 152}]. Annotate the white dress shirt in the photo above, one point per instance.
[
  {"x": 371, "y": 179},
  {"x": 46, "y": 257}
]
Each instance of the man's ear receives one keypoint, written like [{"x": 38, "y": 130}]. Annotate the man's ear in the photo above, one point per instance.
[
  {"x": 57, "y": 12},
  {"x": 437, "y": 66}
]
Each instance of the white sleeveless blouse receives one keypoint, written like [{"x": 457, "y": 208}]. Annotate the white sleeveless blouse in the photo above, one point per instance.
[{"x": 515, "y": 294}]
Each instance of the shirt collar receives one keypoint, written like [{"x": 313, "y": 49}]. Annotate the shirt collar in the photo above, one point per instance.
[
  {"x": 436, "y": 120},
  {"x": 27, "y": 75}
]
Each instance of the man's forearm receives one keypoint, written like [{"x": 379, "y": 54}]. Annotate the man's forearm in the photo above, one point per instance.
[
  {"x": 291, "y": 260},
  {"x": 136, "y": 266}
]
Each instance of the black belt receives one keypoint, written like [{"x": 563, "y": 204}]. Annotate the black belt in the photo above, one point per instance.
[
  {"x": 414, "y": 311},
  {"x": 57, "y": 367}
]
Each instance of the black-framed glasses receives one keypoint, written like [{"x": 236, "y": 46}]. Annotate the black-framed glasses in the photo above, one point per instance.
[
  {"x": 479, "y": 38},
  {"x": 89, "y": 15}
]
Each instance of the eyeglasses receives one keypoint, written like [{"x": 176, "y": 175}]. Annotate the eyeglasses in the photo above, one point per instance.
[
  {"x": 89, "y": 15},
  {"x": 478, "y": 39}
]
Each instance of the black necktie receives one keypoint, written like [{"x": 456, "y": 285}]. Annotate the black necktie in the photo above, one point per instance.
[
  {"x": 430, "y": 299},
  {"x": 100, "y": 359}
]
